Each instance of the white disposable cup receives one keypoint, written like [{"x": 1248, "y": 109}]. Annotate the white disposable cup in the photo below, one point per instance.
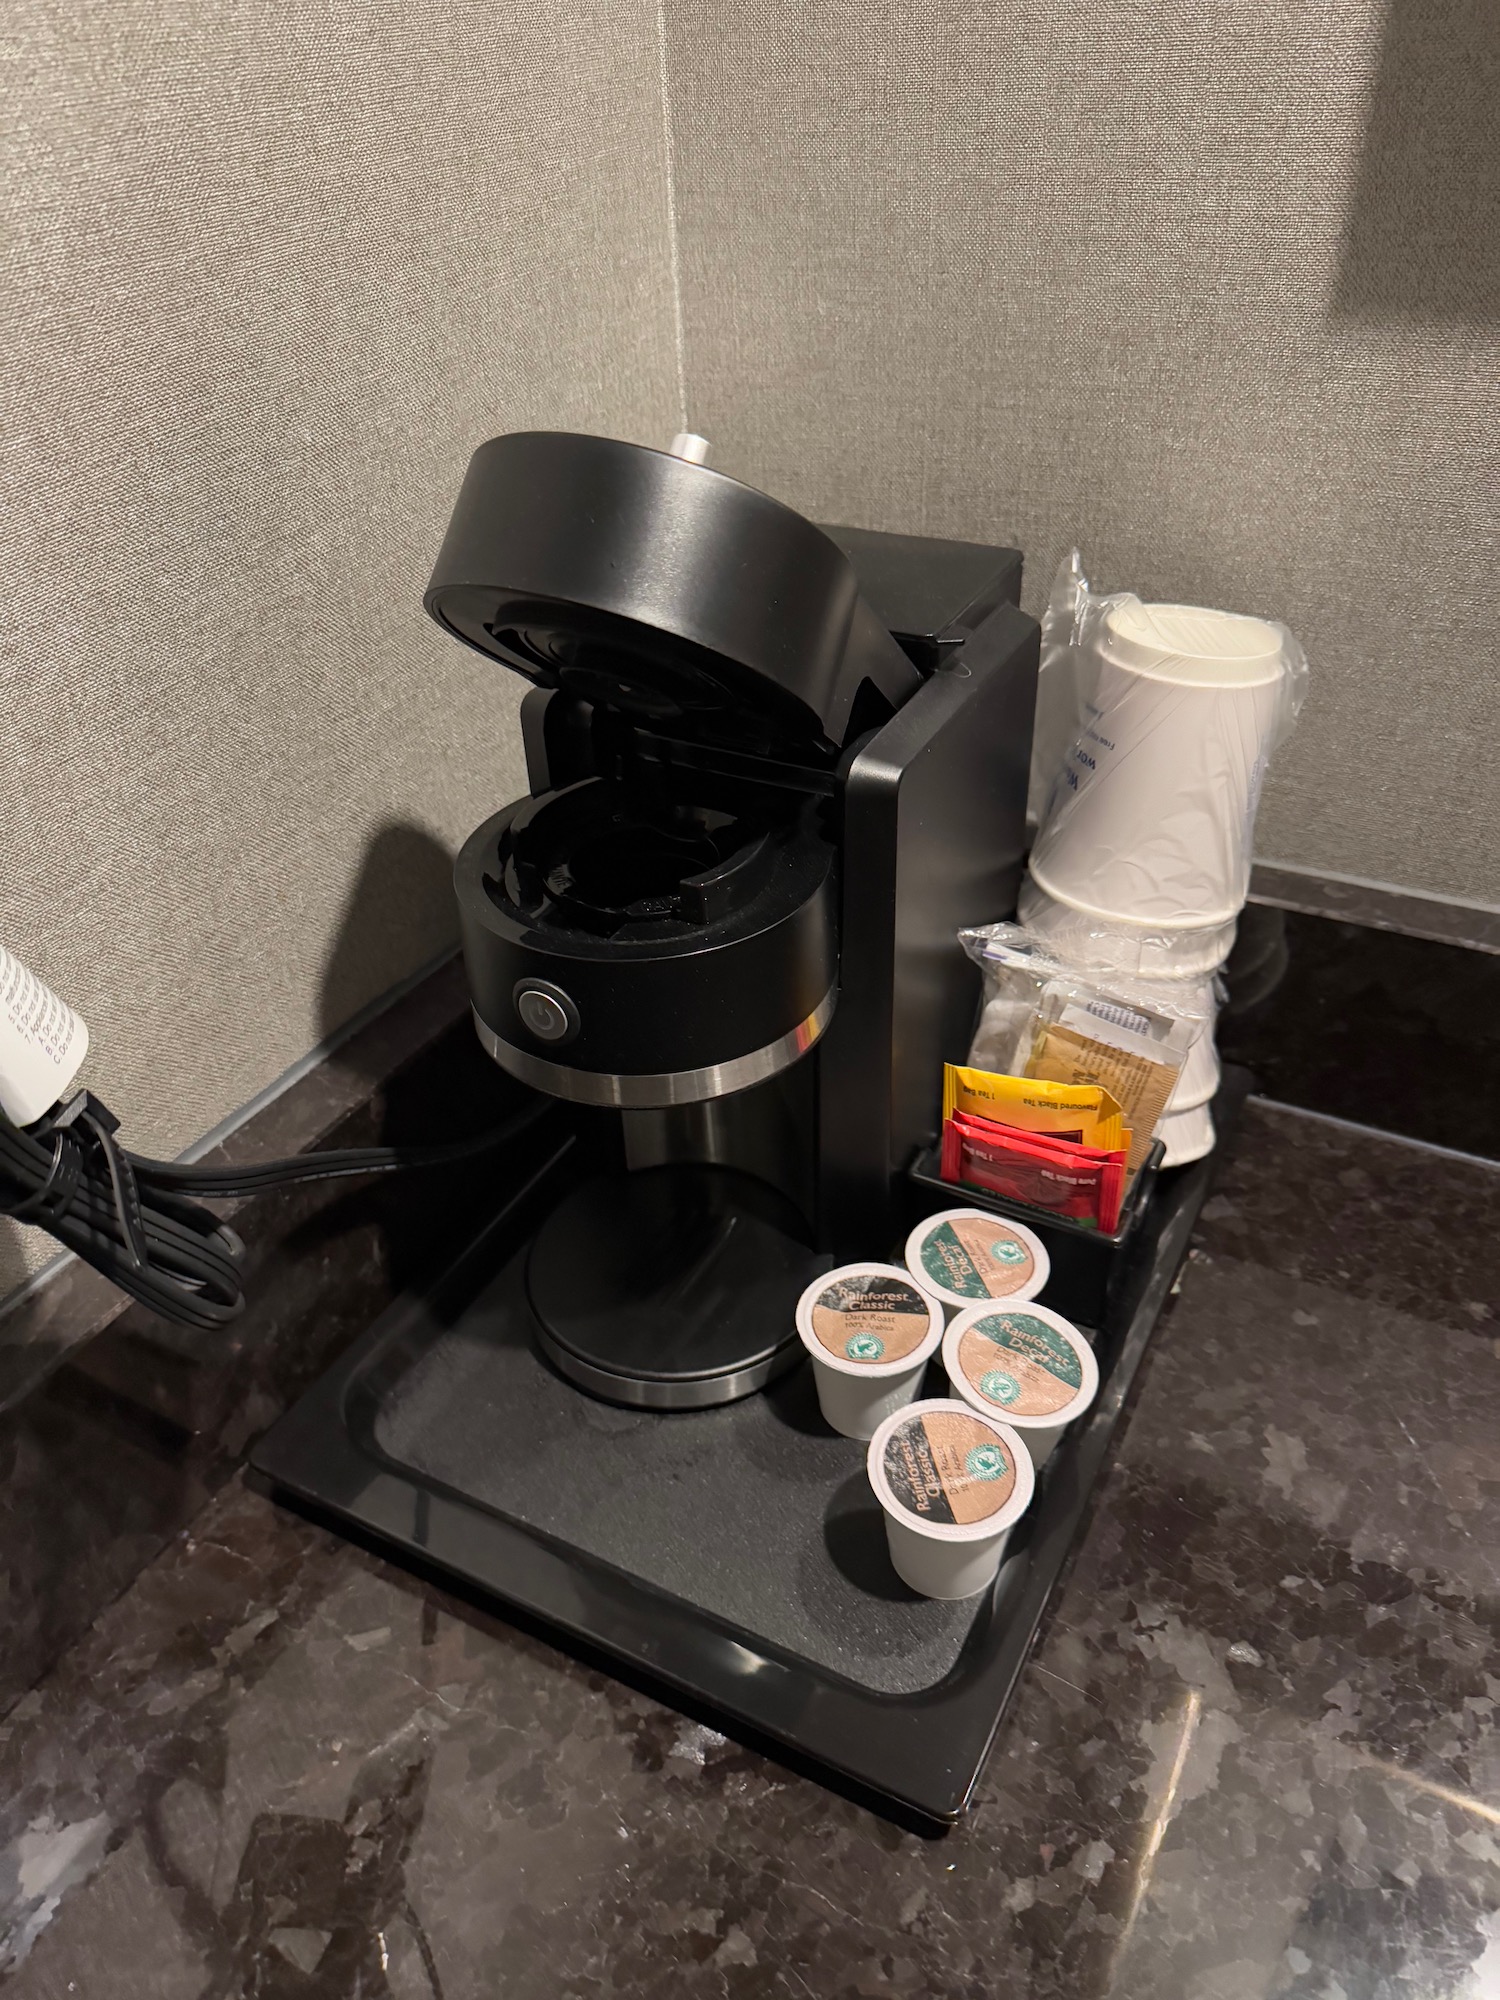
[
  {"x": 1198, "y": 1080},
  {"x": 1110, "y": 945},
  {"x": 933, "y": 1467},
  {"x": 1151, "y": 817},
  {"x": 860, "y": 1386},
  {"x": 1113, "y": 944},
  {"x": 961, "y": 1255},
  {"x": 1187, "y": 1135},
  {"x": 1024, "y": 1364}
]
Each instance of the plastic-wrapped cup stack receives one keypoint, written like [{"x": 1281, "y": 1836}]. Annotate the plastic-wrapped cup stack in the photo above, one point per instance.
[
  {"x": 1114, "y": 944},
  {"x": 1142, "y": 863},
  {"x": 1149, "y": 821}
]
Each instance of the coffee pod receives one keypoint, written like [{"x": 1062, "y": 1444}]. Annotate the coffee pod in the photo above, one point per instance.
[
  {"x": 965, "y": 1255},
  {"x": 1026, "y": 1364},
  {"x": 871, "y": 1332},
  {"x": 951, "y": 1484}
]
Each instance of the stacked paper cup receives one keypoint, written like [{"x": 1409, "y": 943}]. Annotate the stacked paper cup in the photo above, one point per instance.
[{"x": 1142, "y": 862}]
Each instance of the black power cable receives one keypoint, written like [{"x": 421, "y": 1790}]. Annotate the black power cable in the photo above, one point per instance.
[{"x": 128, "y": 1216}]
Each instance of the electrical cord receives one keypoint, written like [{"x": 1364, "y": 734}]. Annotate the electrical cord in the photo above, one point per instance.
[{"x": 128, "y": 1215}]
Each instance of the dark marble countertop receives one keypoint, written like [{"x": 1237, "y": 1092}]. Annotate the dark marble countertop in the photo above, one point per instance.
[{"x": 1254, "y": 1755}]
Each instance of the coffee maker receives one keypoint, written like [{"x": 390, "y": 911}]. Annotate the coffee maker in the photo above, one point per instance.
[{"x": 773, "y": 770}]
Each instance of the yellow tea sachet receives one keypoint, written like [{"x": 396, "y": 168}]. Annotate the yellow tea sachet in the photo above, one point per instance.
[{"x": 1085, "y": 1113}]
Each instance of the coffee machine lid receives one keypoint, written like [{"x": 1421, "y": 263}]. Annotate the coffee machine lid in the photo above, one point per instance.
[{"x": 645, "y": 582}]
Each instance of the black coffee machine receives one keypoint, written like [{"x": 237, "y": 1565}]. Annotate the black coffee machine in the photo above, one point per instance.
[{"x": 773, "y": 770}]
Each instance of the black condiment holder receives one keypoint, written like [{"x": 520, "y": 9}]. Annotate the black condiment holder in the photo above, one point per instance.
[{"x": 1088, "y": 1266}]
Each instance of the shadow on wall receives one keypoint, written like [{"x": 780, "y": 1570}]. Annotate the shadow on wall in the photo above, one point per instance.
[
  {"x": 1423, "y": 235},
  {"x": 399, "y": 917}
]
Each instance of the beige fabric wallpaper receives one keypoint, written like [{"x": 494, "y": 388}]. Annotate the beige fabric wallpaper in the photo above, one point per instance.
[
  {"x": 1213, "y": 291},
  {"x": 271, "y": 272}
]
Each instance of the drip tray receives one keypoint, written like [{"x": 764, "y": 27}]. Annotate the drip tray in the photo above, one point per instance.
[
  {"x": 732, "y": 1558},
  {"x": 756, "y": 1512}
]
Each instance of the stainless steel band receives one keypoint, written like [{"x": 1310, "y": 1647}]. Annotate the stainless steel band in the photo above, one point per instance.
[
  {"x": 644, "y": 1093},
  {"x": 701, "y": 1392}
]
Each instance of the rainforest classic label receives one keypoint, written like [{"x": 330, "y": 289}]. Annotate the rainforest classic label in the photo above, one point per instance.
[
  {"x": 871, "y": 1318},
  {"x": 1019, "y": 1363},
  {"x": 947, "y": 1466},
  {"x": 977, "y": 1257}
]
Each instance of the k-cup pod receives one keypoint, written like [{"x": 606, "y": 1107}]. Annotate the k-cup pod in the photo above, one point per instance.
[
  {"x": 964, "y": 1255},
  {"x": 870, "y": 1330},
  {"x": 1151, "y": 815},
  {"x": 951, "y": 1484},
  {"x": 1187, "y": 1136},
  {"x": 1093, "y": 938},
  {"x": 1025, "y": 1364}
]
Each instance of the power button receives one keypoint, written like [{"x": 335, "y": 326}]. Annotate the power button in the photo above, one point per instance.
[{"x": 545, "y": 1011}]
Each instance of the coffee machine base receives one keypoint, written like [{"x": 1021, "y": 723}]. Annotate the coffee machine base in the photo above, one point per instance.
[
  {"x": 672, "y": 1288},
  {"x": 731, "y": 1560}
]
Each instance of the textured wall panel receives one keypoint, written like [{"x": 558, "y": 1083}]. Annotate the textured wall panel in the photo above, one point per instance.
[
  {"x": 271, "y": 272},
  {"x": 1212, "y": 290}
]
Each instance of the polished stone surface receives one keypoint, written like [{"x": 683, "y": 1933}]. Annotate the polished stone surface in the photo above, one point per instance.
[
  {"x": 111, "y": 1441},
  {"x": 1255, "y": 1754},
  {"x": 1376, "y": 905},
  {"x": 1395, "y": 1032}
]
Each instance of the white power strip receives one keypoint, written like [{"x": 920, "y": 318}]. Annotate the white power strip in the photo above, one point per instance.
[{"x": 42, "y": 1043}]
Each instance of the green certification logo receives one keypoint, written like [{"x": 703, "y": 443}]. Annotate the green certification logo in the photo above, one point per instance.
[
  {"x": 1004, "y": 1251},
  {"x": 1000, "y": 1387},
  {"x": 864, "y": 1347},
  {"x": 1034, "y": 1342},
  {"x": 986, "y": 1461}
]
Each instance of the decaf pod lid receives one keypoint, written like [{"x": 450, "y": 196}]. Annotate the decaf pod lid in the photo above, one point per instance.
[
  {"x": 869, "y": 1319},
  {"x": 949, "y": 1472},
  {"x": 965, "y": 1255},
  {"x": 1024, "y": 1362}
]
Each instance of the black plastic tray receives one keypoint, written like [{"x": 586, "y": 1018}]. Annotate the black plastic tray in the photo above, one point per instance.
[{"x": 917, "y": 1754}]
